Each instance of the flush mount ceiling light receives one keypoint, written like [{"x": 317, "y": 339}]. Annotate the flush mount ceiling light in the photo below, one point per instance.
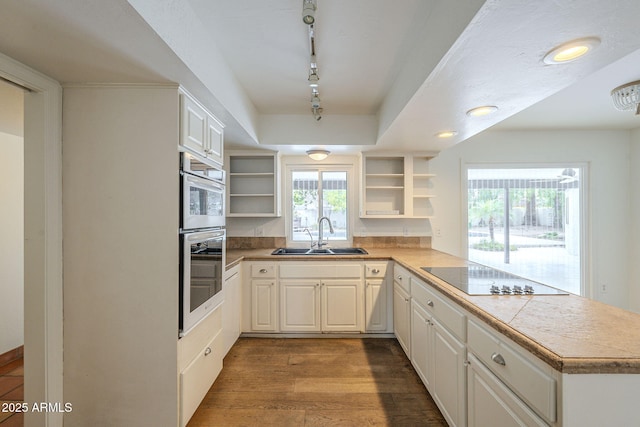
[
  {"x": 571, "y": 51},
  {"x": 318, "y": 154},
  {"x": 446, "y": 134},
  {"x": 627, "y": 97},
  {"x": 309, "y": 11},
  {"x": 482, "y": 111}
]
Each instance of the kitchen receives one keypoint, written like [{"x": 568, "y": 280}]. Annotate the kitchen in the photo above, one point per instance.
[{"x": 613, "y": 204}]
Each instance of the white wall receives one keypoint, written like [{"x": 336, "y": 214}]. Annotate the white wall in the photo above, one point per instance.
[
  {"x": 120, "y": 224},
  {"x": 11, "y": 242},
  {"x": 634, "y": 226},
  {"x": 607, "y": 153}
]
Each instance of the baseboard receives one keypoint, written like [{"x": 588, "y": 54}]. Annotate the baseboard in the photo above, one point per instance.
[
  {"x": 316, "y": 335},
  {"x": 11, "y": 355}
]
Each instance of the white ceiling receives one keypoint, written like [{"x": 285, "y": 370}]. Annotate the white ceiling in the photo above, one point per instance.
[{"x": 392, "y": 73}]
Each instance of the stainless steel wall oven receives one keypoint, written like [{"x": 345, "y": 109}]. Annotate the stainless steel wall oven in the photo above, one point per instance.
[{"x": 202, "y": 240}]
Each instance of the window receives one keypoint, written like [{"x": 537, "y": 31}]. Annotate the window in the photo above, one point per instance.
[
  {"x": 317, "y": 193},
  {"x": 528, "y": 221}
]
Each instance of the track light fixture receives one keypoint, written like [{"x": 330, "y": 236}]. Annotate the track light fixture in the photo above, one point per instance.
[
  {"x": 308, "y": 17},
  {"x": 309, "y": 11}
]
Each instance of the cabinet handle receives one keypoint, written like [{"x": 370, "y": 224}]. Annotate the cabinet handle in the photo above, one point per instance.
[
  {"x": 207, "y": 351},
  {"x": 375, "y": 271},
  {"x": 430, "y": 303},
  {"x": 497, "y": 357},
  {"x": 317, "y": 284},
  {"x": 263, "y": 270},
  {"x": 406, "y": 300},
  {"x": 399, "y": 278}
]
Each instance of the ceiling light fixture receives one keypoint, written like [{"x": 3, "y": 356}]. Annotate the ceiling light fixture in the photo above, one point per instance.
[
  {"x": 446, "y": 134},
  {"x": 571, "y": 51},
  {"x": 308, "y": 17},
  {"x": 318, "y": 154},
  {"x": 627, "y": 97},
  {"x": 309, "y": 11},
  {"x": 482, "y": 111}
]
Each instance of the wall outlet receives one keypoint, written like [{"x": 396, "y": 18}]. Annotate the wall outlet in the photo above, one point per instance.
[
  {"x": 603, "y": 288},
  {"x": 437, "y": 232}
]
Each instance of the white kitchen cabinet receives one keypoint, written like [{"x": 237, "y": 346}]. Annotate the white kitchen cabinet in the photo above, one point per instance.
[
  {"x": 232, "y": 308},
  {"x": 402, "y": 307},
  {"x": 200, "y": 356},
  {"x": 396, "y": 186},
  {"x": 253, "y": 184},
  {"x": 530, "y": 381},
  {"x": 376, "y": 297},
  {"x": 321, "y": 297},
  {"x": 264, "y": 297},
  {"x": 200, "y": 132},
  {"x": 421, "y": 343},
  {"x": 491, "y": 403}
]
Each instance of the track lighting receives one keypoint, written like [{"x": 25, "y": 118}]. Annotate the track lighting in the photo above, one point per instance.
[{"x": 309, "y": 11}]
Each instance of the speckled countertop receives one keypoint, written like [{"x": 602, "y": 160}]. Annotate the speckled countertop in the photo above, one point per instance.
[{"x": 570, "y": 333}]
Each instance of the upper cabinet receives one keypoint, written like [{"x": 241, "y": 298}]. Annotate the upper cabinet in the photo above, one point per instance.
[
  {"x": 396, "y": 187},
  {"x": 200, "y": 132},
  {"x": 253, "y": 184}
]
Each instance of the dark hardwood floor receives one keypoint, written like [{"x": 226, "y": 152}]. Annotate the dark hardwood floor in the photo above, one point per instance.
[{"x": 317, "y": 382}]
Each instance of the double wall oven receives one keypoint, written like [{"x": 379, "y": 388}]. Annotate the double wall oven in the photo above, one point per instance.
[{"x": 202, "y": 239}]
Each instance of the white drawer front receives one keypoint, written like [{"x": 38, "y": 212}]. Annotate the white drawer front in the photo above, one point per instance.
[
  {"x": 263, "y": 270},
  {"x": 375, "y": 270},
  {"x": 535, "y": 387},
  {"x": 304, "y": 270},
  {"x": 198, "y": 377},
  {"x": 452, "y": 318},
  {"x": 402, "y": 277}
]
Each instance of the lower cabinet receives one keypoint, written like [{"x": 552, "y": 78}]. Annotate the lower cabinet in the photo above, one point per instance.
[
  {"x": 200, "y": 355},
  {"x": 321, "y": 305},
  {"x": 232, "y": 308},
  {"x": 402, "y": 317},
  {"x": 264, "y": 298},
  {"x": 491, "y": 403},
  {"x": 439, "y": 359}
]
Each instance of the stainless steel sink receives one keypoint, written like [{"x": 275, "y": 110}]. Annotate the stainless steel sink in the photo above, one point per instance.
[{"x": 327, "y": 251}]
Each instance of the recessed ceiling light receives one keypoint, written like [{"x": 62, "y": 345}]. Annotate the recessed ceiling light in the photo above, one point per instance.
[
  {"x": 482, "y": 111},
  {"x": 446, "y": 134},
  {"x": 571, "y": 51}
]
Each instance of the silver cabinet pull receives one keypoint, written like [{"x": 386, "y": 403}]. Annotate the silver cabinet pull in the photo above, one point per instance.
[
  {"x": 497, "y": 357},
  {"x": 375, "y": 271},
  {"x": 263, "y": 270},
  {"x": 399, "y": 277},
  {"x": 207, "y": 351},
  {"x": 430, "y": 303}
]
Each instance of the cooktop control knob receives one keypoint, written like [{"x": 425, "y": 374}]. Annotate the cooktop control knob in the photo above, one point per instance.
[
  {"x": 494, "y": 290},
  {"x": 528, "y": 289},
  {"x": 517, "y": 289},
  {"x": 505, "y": 289}
]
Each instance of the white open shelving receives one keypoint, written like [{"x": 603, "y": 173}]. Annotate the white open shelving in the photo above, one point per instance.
[{"x": 252, "y": 185}]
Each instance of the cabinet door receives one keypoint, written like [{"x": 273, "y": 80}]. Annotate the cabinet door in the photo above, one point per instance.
[
  {"x": 448, "y": 375},
  {"x": 231, "y": 309},
  {"x": 342, "y": 305},
  {"x": 376, "y": 305},
  {"x": 300, "y": 305},
  {"x": 214, "y": 141},
  {"x": 421, "y": 344},
  {"x": 401, "y": 317},
  {"x": 263, "y": 305},
  {"x": 193, "y": 126},
  {"x": 491, "y": 403}
]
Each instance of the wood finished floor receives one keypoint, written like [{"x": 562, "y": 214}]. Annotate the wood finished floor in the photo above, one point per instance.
[{"x": 317, "y": 382}]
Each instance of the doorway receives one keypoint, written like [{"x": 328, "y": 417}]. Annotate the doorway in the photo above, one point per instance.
[{"x": 42, "y": 237}]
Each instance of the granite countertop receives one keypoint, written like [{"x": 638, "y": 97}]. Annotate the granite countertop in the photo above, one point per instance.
[{"x": 572, "y": 334}]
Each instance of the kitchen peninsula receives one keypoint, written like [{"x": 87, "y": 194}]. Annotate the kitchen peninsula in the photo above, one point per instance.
[{"x": 586, "y": 354}]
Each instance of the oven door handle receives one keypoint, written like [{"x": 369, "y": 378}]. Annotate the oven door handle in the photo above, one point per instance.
[
  {"x": 204, "y": 235},
  {"x": 205, "y": 184}
]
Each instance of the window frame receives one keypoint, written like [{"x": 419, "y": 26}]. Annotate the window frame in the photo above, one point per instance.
[
  {"x": 295, "y": 166},
  {"x": 586, "y": 288}
]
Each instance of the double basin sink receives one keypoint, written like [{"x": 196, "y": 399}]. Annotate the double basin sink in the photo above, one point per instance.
[{"x": 325, "y": 251}]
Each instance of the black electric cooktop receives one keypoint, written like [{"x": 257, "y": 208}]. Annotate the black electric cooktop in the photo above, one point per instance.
[{"x": 477, "y": 279}]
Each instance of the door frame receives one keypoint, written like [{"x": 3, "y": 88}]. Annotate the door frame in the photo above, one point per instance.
[{"x": 43, "y": 238}]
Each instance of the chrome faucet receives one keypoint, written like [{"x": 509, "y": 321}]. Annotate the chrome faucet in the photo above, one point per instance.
[
  {"x": 320, "y": 242},
  {"x": 311, "y": 237}
]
